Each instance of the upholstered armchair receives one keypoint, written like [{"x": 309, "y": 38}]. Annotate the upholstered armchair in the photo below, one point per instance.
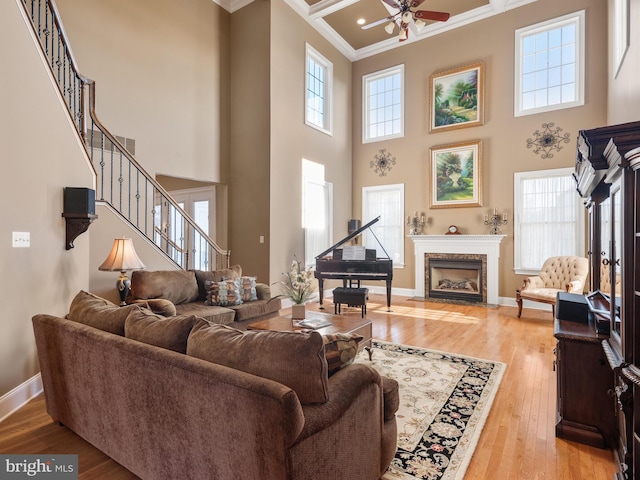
[{"x": 558, "y": 274}]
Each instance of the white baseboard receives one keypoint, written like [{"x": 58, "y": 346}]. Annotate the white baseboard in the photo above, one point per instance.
[{"x": 19, "y": 396}]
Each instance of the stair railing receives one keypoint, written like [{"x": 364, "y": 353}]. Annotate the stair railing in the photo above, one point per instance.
[{"x": 121, "y": 180}]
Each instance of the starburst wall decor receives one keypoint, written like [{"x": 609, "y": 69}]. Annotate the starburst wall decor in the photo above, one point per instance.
[
  {"x": 382, "y": 162},
  {"x": 547, "y": 140}
]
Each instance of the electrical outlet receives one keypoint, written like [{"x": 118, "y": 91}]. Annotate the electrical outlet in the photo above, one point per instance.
[{"x": 21, "y": 239}]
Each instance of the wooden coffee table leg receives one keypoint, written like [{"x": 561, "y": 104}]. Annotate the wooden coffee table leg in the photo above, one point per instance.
[{"x": 369, "y": 351}]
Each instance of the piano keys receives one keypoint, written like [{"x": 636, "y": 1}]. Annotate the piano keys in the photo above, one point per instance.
[{"x": 371, "y": 268}]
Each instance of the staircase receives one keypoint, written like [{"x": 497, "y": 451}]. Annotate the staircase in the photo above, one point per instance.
[{"x": 120, "y": 179}]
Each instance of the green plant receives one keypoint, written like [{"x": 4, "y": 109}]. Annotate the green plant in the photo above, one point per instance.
[{"x": 298, "y": 282}]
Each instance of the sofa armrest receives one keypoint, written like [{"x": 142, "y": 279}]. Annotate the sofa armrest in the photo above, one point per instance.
[
  {"x": 532, "y": 282},
  {"x": 344, "y": 387},
  {"x": 575, "y": 286},
  {"x": 263, "y": 291},
  {"x": 161, "y": 306}
]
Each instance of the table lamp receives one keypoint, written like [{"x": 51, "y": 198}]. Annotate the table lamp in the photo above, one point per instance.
[{"x": 122, "y": 257}]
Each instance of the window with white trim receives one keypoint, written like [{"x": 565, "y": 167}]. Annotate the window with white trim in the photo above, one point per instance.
[
  {"x": 386, "y": 202},
  {"x": 317, "y": 211},
  {"x": 549, "y": 218},
  {"x": 549, "y": 65},
  {"x": 318, "y": 89},
  {"x": 383, "y": 105}
]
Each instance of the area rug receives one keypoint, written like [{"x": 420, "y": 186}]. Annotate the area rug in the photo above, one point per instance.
[{"x": 444, "y": 402}]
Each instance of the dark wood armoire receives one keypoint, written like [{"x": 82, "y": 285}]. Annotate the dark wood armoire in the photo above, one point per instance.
[{"x": 608, "y": 178}]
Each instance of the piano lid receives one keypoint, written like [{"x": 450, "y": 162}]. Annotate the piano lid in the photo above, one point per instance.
[{"x": 352, "y": 235}]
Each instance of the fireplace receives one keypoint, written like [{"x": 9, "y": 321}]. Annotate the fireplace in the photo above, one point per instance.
[{"x": 455, "y": 277}]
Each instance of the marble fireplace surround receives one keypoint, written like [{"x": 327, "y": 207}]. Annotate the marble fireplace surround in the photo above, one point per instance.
[
  {"x": 456, "y": 256},
  {"x": 488, "y": 245}
]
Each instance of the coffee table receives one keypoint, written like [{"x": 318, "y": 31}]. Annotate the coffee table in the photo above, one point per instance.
[{"x": 339, "y": 324}]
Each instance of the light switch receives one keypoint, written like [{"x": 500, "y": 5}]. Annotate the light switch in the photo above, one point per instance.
[
  {"x": 21, "y": 239},
  {"x": 261, "y": 238}
]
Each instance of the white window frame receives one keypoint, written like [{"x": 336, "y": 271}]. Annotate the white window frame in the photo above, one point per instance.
[
  {"x": 576, "y": 19},
  {"x": 366, "y": 107},
  {"x": 518, "y": 178},
  {"x": 369, "y": 214},
  {"x": 327, "y": 94}
]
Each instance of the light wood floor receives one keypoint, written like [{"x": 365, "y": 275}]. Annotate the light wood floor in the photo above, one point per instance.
[{"x": 518, "y": 440}]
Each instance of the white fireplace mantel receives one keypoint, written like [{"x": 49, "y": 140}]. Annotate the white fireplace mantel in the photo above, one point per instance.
[{"x": 488, "y": 245}]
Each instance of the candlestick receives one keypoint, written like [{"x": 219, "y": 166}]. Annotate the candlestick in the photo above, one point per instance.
[
  {"x": 494, "y": 221},
  {"x": 416, "y": 223}
]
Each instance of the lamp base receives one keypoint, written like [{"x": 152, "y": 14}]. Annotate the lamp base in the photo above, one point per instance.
[{"x": 124, "y": 286}]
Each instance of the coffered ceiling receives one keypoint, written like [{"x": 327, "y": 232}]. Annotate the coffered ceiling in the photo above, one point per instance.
[{"x": 337, "y": 20}]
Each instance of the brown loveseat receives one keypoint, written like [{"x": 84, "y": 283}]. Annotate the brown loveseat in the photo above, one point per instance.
[
  {"x": 179, "y": 292},
  {"x": 180, "y": 398}
]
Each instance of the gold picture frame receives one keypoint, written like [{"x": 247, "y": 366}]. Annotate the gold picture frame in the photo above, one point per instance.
[
  {"x": 456, "y": 98},
  {"x": 456, "y": 175}
]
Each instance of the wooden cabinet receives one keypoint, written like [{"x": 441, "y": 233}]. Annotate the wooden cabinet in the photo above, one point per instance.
[
  {"x": 585, "y": 380},
  {"x": 608, "y": 178}
]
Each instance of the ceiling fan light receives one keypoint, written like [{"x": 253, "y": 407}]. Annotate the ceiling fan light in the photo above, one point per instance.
[
  {"x": 403, "y": 35},
  {"x": 407, "y": 17},
  {"x": 419, "y": 24},
  {"x": 389, "y": 27}
]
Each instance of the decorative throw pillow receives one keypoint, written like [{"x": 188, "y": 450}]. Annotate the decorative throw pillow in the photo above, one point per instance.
[
  {"x": 170, "y": 333},
  {"x": 99, "y": 313},
  {"x": 224, "y": 293},
  {"x": 248, "y": 289},
  {"x": 292, "y": 359},
  {"x": 340, "y": 350},
  {"x": 202, "y": 276}
]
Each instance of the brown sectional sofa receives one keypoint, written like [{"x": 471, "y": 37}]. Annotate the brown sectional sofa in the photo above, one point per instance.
[
  {"x": 179, "y": 292},
  {"x": 178, "y": 397}
]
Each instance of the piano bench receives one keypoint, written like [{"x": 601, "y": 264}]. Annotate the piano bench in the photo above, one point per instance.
[{"x": 352, "y": 297}]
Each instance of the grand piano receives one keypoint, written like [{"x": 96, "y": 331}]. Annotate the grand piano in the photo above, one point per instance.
[{"x": 338, "y": 267}]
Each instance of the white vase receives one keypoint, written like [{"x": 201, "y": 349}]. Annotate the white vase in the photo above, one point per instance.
[{"x": 298, "y": 311}]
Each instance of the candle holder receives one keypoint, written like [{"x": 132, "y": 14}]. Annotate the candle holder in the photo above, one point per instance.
[
  {"x": 495, "y": 220},
  {"x": 415, "y": 224}
]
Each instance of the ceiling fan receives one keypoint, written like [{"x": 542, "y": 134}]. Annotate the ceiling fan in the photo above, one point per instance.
[{"x": 406, "y": 13}]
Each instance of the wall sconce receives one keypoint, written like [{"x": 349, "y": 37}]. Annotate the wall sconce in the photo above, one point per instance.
[
  {"x": 416, "y": 223},
  {"x": 495, "y": 221},
  {"x": 122, "y": 257},
  {"x": 79, "y": 211}
]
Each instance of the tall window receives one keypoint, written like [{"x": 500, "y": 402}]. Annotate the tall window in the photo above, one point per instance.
[
  {"x": 317, "y": 211},
  {"x": 550, "y": 65},
  {"x": 383, "y": 105},
  {"x": 387, "y": 202},
  {"x": 318, "y": 86},
  {"x": 549, "y": 218}
]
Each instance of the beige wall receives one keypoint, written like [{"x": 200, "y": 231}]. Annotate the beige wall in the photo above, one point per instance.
[
  {"x": 292, "y": 140},
  {"x": 161, "y": 72},
  {"x": 40, "y": 156},
  {"x": 503, "y": 136},
  {"x": 624, "y": 90}
]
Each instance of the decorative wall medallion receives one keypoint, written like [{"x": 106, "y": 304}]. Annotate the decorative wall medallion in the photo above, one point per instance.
[
  {"x": 382, "y": 162},
  {"x": 547, "y": 140}
]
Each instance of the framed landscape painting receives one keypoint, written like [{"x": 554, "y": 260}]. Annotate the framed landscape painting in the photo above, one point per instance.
[
  {"x": 456, "y": 98},
  {"x": 456, "y": 175}
]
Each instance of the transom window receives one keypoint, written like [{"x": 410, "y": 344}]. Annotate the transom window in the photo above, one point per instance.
[
  {"x": 550, "y": 65},
  {"x": 318, "y": 85},
  {"x": 549, "y": 218},
  {"x": 383, "y": 105}
]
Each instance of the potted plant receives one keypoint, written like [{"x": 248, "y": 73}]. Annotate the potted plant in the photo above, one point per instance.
[{"x": 298, "y": 285}]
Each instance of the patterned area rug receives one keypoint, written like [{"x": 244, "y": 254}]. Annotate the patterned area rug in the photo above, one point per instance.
[{"x": 444, "y": 402}]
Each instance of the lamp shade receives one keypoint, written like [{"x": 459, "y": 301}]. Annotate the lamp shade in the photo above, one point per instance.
[{"x": 122, "y": 257}]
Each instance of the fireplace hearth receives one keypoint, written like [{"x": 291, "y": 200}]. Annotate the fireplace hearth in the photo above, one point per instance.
[{"x": 455, "y": 277}]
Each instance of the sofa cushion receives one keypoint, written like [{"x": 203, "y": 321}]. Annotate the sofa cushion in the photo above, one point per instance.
[
  {"x": 202, "y": 276},
  {"x": 213, "y": 315},
  {"x": 171, "y": 333},
  {"x": 259, "y": 308},
  {"x": 290, "y": 358},
  {"x": 340, "y": 350},
  {"x": 224, "y": 293},
  {"x": 99, "y": 313},
  {"x": 248, "y": 291},
  {"x": 178, "y": 286}
]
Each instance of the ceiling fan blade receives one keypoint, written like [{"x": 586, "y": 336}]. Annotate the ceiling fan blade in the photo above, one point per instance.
[
  {"x": 428, "y": 15},
  {"x": 392, "y": 3},
  {"x": 376, "y": 23},
  {"x": 415, "y": 3}
]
